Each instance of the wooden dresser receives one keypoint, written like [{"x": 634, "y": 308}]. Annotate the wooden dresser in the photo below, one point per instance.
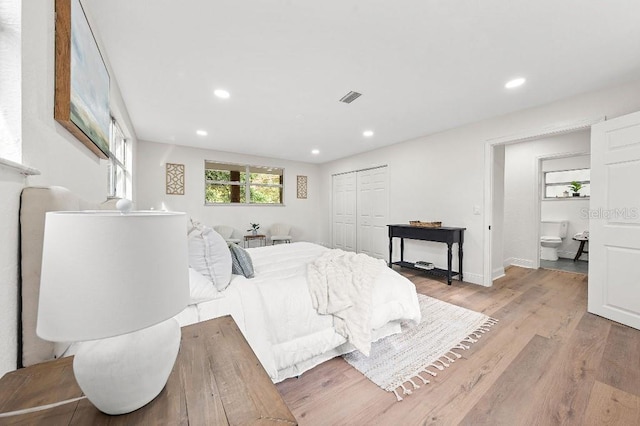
[{"x": 216, "y": 380}]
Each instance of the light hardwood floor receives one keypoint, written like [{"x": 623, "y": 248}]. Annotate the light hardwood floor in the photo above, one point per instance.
[{"x": 547, "y": 362}]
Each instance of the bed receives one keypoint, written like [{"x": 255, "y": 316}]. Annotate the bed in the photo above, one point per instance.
[{"x": 274, "y": 308}]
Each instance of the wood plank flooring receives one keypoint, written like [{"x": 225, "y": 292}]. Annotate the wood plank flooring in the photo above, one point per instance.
[{"x": 547, "y": 362}]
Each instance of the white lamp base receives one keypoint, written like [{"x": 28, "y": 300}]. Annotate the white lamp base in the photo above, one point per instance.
[{"x": 123, "y": 373}]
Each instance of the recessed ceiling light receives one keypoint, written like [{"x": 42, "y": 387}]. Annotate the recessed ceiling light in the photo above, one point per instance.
[
  {"x": 201, "y": 132},
  {"x": 367, "y": 133},
  {"x": 516, "y": 82},
  {"x": 315, "y": 151},
  {"x": 221, "y": 93}
]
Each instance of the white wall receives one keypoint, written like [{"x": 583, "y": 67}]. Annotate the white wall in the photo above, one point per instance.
[
  {"x": 440, "y": 177},
  {"x": 302, "y": 214},
  {"x": 46, "y": 146},
  {"x": 62, "y": 159},
  {"x": 425, "y": 184},
  {"x": 10, "y": 68},
  {"x": 522, "y": 194}
]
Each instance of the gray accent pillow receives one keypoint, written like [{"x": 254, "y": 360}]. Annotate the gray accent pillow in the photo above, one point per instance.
[{"x": 241, "y": 263}]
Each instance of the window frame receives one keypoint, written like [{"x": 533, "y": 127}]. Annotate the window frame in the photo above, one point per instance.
[
  {"x": 246, "y": 185},
  {"x": 117, "y": 184},
  {"x": 545, "y": 185}
]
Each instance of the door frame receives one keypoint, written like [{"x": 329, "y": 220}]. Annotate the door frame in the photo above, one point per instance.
[{"x": 489, "y": 146}]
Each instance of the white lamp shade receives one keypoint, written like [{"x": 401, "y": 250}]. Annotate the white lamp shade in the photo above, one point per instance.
[{"x": 106, "y": 273}]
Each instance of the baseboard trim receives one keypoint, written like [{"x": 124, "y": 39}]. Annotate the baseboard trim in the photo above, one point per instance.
[
  {"x": 571, "y": 254},
  {"x": 473, "y": 278},
  {"x": 523, "y": 263}
]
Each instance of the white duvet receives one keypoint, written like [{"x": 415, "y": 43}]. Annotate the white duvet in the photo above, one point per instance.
[{"x": 275, "y": 313}]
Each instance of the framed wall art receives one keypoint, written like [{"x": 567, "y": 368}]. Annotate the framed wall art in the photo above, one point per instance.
[
  {"x": 302, "y": 186},
  {"x": 81, "y": 102},
  {"x": 175, "y": 179}
]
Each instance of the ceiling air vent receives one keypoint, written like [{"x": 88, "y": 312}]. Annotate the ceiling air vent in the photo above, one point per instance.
[{"x": 350, "y": 97}]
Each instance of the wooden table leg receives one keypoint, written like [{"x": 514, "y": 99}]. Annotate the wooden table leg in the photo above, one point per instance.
[
  {"x": 449, "y": 260},
  {"x": 460, "y": 259}
]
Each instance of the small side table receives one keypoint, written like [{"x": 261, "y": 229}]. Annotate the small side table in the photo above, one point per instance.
[
  {"x": 259, "y": 237},
  {"x": 581, "y": 249}
]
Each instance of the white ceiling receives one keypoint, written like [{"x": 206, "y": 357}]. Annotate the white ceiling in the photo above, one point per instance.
[{"x": 423, "y": 66}]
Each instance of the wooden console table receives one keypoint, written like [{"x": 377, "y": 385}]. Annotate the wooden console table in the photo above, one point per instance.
[
  {"x": 442, "y": 235},
  {"x": 216, "y": 380}
]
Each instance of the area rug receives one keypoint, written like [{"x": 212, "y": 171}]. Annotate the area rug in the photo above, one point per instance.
[{"x": 399, "y": 361}]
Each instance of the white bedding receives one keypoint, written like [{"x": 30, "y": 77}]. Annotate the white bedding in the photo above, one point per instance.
[
  {"x": 274, "y": 310},
  {"x": 275, "y": 313}
]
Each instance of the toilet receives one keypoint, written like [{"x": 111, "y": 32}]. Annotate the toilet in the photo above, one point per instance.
[{"x": 552, "y": 234}]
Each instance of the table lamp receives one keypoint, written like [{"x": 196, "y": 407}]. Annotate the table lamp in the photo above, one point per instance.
[{"x": 114, "y": 280}]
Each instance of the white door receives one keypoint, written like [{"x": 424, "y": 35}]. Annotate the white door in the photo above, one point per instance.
[
  {"x": 614, "y": 220},
  {"x": 373, "y": 210},
  {"x": 344, "y": 211}
]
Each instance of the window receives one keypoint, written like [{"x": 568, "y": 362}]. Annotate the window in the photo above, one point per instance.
[
  {"x": 118, "y": 173},
  {"x": 242, "y": 184},
  {"x": 558, "y": 184}
]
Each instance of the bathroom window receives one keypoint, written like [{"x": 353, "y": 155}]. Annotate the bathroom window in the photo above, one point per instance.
[{"x": 567, "y": 183}]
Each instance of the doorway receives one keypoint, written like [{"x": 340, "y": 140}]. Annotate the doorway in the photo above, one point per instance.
[
  {"x": 565, "y": 189},
  {"x": 525, "y": 234}
]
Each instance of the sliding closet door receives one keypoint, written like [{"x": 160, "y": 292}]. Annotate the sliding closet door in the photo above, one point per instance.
[
  {"x": 373, "y": 212},
  {"x": 344, "y": 211}
]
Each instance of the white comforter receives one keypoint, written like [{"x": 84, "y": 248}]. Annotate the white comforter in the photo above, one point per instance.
[{"x": 275, "y": 313}]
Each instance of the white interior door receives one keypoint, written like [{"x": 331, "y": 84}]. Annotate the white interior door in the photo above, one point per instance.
[
  {"x": 373, "y": 212},
  {"x": 614, "y": 220},
  {"x": 344, "y": 211}
]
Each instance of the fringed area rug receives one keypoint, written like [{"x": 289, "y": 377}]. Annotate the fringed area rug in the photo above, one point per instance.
[{"x": 399, "y": 361}]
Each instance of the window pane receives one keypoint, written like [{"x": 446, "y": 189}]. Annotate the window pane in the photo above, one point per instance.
[
  {"x": 218, "y": 193},
  {"x": 224, "y": 193},
  {"x": 266, "y": 194},
  {"x": 566, "y": 176},
  {"x": 118, "y": 162},
  {"x": 266, "y": 178},
  {"x": 218, "y": 175},
  {"x": 120, "y": 181},
  {"x": 558, "y": 191}
]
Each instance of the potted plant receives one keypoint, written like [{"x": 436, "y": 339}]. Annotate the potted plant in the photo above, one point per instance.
[
  {"x": 254, "y": 228},
  {"x": 575, "y": 188}
]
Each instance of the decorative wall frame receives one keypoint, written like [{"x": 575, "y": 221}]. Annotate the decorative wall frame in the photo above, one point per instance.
[
  {"x": 175, "y": 179},
  {"x": 302, "y": 186},
  {"x": 81, "y": 103}
]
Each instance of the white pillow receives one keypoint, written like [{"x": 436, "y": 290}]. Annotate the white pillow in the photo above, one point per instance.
[
  {"x": 200, "y": 288},
  {"x": 209, "y": 255}
]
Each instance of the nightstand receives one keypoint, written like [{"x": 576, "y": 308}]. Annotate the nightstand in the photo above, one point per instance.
[{"x": 216, "y": 380}]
